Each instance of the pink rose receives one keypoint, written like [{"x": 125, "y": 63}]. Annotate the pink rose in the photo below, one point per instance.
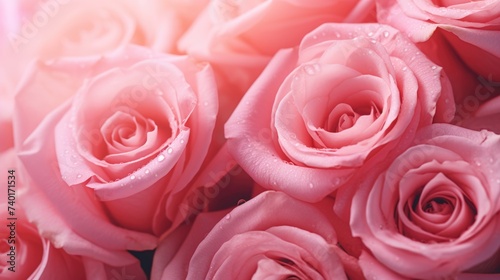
[
  {"x": 319, "y": 112},
  {"x": 110, "y": 145},
  {"x": 269, "y": 237},
  {"x": 435, "y": 211},
  {"x": 471, "y": 27},
  {"x": 27, "y": 255}
]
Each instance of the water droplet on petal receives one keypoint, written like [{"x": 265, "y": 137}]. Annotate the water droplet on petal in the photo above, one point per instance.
[
  {"x": 370, "y": 34},
  {"x": 146, "y": 171},
  {"x": 161, "y": 157},
  {"x": 132, "y": 177},
  {"x": 241, "y": 201},
  {"x": 311, "y": 185},
  {"x": 312, "y": 69},
  {"x": 433, "y": 67},
  {"x": 170, "y": 150},
  {"x": 228, "y": 216},
  {"x": 386, "y": 34}
]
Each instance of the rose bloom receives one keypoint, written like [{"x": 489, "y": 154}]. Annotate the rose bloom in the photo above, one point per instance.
[
  {"x": 110, "y": 145},
  {"x": 471, "y": 27},
  {"x": 319, "y": 112},
  {"x": 271, "y": 236},
  {"x": 435, "y": 210}
]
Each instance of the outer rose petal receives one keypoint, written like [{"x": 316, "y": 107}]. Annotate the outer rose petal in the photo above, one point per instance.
[
  {"x": 36, "y": 257},
  {"x": 486, "y": 117}
]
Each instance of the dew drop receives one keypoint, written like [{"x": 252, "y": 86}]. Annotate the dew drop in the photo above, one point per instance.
[
  {"x": 274, "y": 183},
  {"x": 161, "y": 157},
  {"x": 337, "y": 34},
  {"x": 241, "y": 201},
  {"x": 228, "y": 216},
  {"x": 79, "y": 176},
  {"x": 312, "y": 69},
  {"x": 370, "y": 34},
  {"x": 132, "y": 177},
  {"x": 433, "y": 67},
  {"x": 315, "y": 37},
  {"x": 146, "y": 171},
  {"x": 405, "y": 68},
  {"x": 311, "y": 185},
  {"x": 170, "y": 150},
  {"x": 336, "y": 181},
  {"x": 386, "y": 34},
  {"x": 182, "y": 141}
]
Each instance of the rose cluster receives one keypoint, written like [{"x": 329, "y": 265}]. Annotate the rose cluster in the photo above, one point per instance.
[{"x": 259, "y": 139}]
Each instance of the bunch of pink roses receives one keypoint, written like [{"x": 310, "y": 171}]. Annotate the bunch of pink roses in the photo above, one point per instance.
[{"x": 259, "y": 139}]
